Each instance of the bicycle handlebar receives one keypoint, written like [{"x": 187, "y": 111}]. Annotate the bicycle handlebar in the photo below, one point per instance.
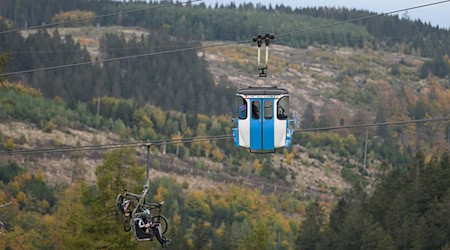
[
  {"x": 138, "y": 196},
  {"x": 153, "y": 205}
]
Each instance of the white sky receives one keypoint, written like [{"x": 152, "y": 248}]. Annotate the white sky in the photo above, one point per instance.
[{"x": 437, "y": 14}]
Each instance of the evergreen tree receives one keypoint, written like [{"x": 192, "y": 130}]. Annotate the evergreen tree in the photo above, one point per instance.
[
  {"x": 119, "y": 170},
  {"x": 309, "y": 236},
  {"x": 258, "y": 238},
  {"x": 406, "y": 210}
]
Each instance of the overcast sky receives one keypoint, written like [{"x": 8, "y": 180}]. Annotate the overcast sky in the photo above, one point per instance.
[{"x": 437, "y": 14}]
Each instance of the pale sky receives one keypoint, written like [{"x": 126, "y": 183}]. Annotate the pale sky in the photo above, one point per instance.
[{"x": 437, "y": 14}]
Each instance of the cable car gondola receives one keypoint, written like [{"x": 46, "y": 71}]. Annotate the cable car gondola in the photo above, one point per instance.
[{"x": 262, "y": 123}]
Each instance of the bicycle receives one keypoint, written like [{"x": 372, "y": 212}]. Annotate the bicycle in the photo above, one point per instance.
[
  {"x": 125, "y": 205},
  {"x": 158, "y": 219},
  {"x": 136, "y": 212}
]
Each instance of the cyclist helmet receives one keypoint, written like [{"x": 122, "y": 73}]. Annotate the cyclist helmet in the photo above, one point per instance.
[{"x": 146, "y": 213}]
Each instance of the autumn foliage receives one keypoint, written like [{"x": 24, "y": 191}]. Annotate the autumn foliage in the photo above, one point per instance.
[{"x": 74, "y": 18}]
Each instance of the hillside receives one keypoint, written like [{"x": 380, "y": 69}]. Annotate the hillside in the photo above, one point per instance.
[
  {"x": 311, "y": 177},
  {"x": 384, "y": 187},
  {"x": 349, "y": 81},
  {"x": 347, "y": 77},
  {"x": 321, "y": 74}
]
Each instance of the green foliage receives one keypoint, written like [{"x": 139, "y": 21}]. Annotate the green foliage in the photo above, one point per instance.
[
  {"x": 120, "y": 129},
  {"x": 39, "y": 190},
  {"x": 258, "y": 237},
  {"x": 218, "y": 218},
  {"x": 439, "y": 66},
  {"x": 197, "y": 22},
  {"x": 395, "y": 69},
  {"x": 357, "y": 96},
  {"x": 393, "y": 154},
  {"x": 332, "y": 142},
  {"x": 406, "y": 210},
  {"x": 116, "y": 172},
  {"x": 316, "y": 155},
  {"x": 22, "y": 139},
  {"x": 2, "y": 137},
  {"x": 351, "y": 175},
  {"x": 309, "y": 234},
  {"x": 8, "y": 171},
  {"x": 188, "y": 87},
  {"x": 200, "y": 165},
  {"x": 9, "y": 144},
  {"x": 127, "y": 119},
  {"x": 95, "y": 140},
  {"x": 71, "y": 16},
  {"x": 119, "y": 170},
  {"x": 27, "y": 104},
  {"x": 49, "y": 127}
]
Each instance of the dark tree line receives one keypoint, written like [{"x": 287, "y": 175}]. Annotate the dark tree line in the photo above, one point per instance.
[
  {"x": 75, "y": 83},
  {"x": 439, "y": 66},
  {"x": 195, "y": 22},
  {"x": 231, "y": 22},
  {"x": 408, "y": 209},
  {"x": 177, "y": 81},
  {"x": 389, "y": 31}
]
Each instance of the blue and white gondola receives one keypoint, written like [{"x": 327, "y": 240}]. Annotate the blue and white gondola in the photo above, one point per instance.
[{"x": 262, "y": 123}]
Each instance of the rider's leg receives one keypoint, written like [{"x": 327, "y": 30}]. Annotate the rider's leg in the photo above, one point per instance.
[{"x": 157, "y": 231}]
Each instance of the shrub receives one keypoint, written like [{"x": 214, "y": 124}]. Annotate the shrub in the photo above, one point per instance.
[
  {"x": 200, "y": 164},
  {"x": 71, "y": 16},
  {"x": 22, "y": 139},
  {"x": 49, "y": 127},
  {"x": 9, "y": 144}
]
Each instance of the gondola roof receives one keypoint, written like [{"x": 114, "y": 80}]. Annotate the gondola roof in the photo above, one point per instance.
[{"x": 262, "y": 91}]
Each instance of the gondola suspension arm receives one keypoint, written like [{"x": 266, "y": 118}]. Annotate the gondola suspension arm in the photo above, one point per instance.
[{"x": 259, "y": 39}]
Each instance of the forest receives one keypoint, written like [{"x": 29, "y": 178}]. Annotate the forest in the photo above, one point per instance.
[
  {"x": 402, "y": 204},
  {"x": 408, "y": 209},
  {"x": 236, "y": 22},
  {"x": 190, "y": 84},
  {"x": 81, "y": 215},
  {"x": 187, "y": 26}
]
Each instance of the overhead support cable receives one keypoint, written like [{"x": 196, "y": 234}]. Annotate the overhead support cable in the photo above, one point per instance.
[
  {"x": 440, "y": 119},
  {"x": 114, "y": 59},
  {"x": 220, "y": 44},
  {"x": 200, "y": 139},
  {"x": 6, "y": 204},
  {"x": 96, "y": 17},
  {"x": 361, "y": 18},
  {"x": 116, "y": 145}
]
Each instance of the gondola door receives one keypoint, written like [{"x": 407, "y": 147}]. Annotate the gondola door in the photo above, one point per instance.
[{"x": 261, "y": 125}]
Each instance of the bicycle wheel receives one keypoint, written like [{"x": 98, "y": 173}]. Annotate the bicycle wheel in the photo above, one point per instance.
[
  {"x": 127, "y": 214},
  {"x": 119, "y": 207},
  {"x": 127, "y": 223},
  {"x": 161, "y": 220}
]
